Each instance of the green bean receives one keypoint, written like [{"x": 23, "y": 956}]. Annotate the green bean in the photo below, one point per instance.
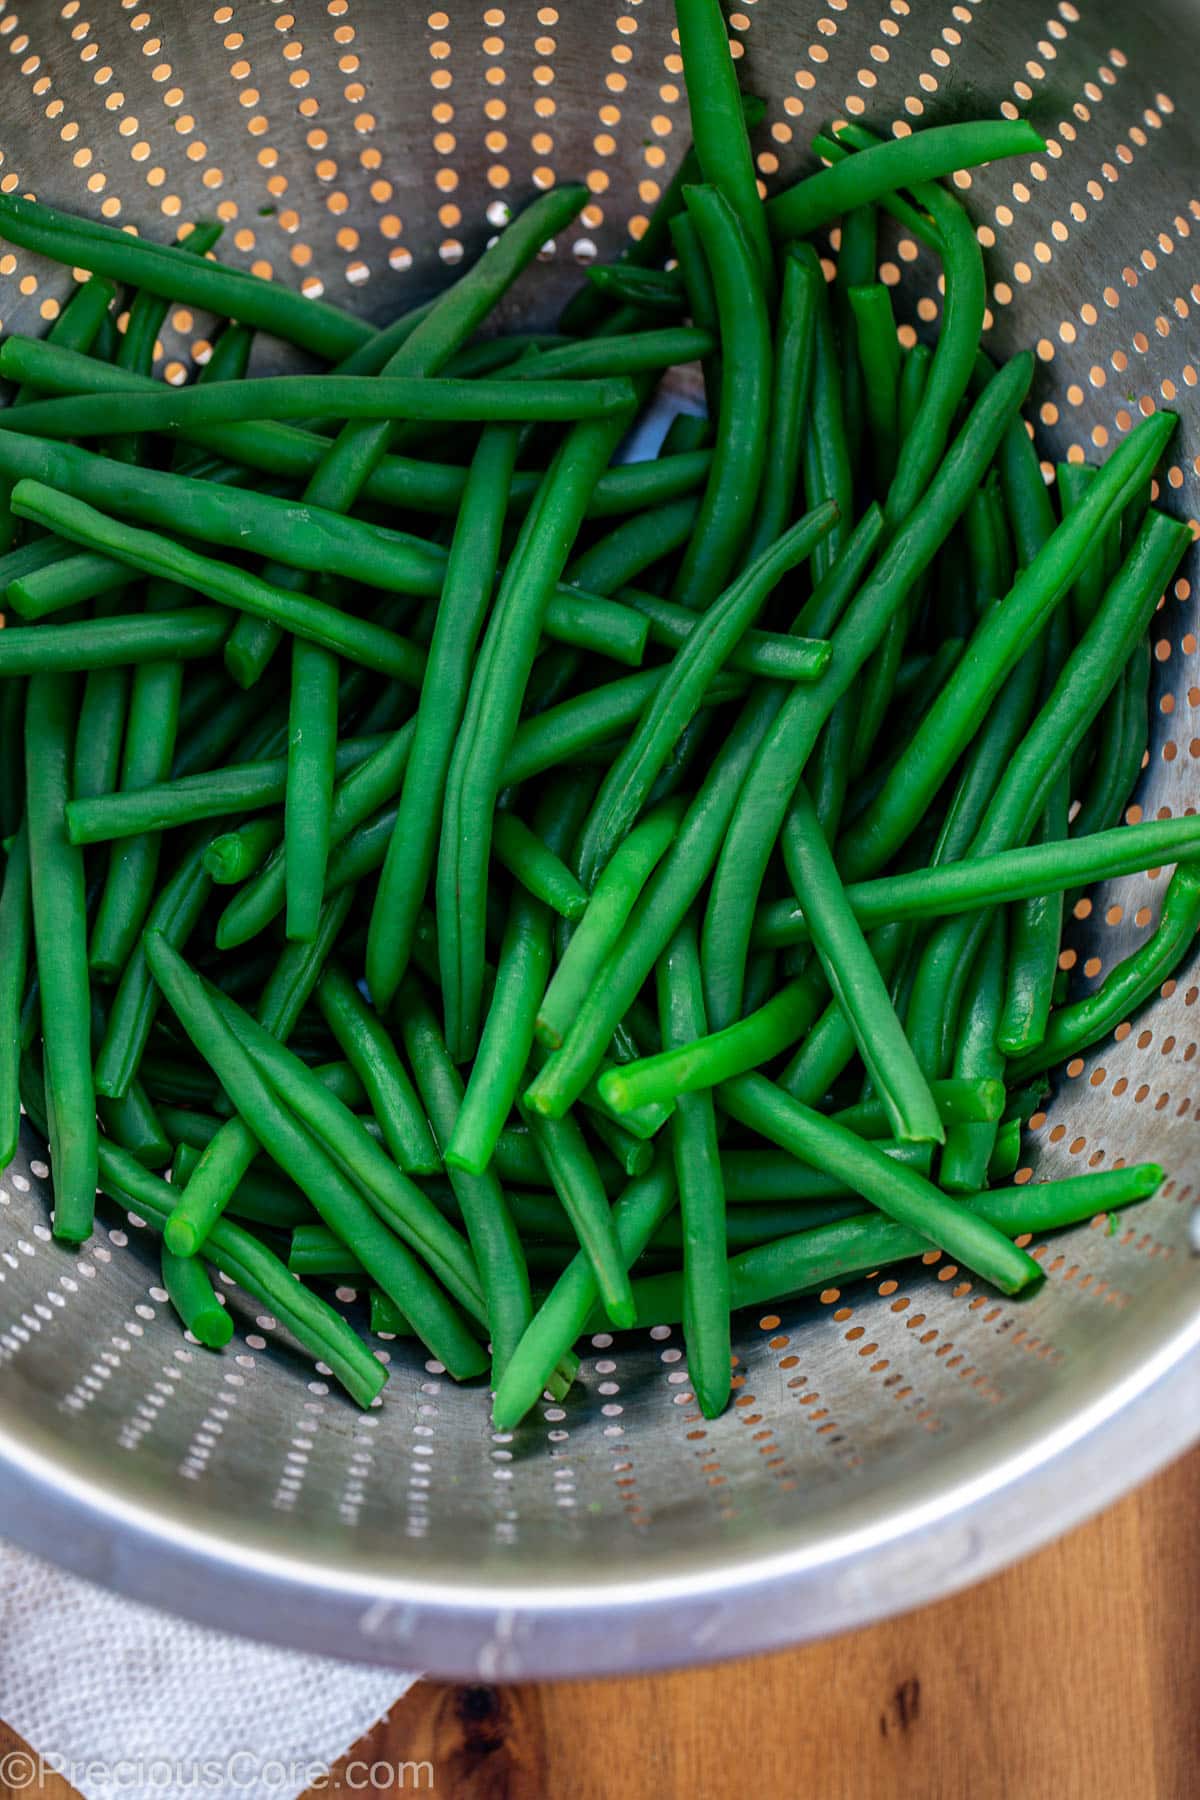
[
  {"x": 771, "y": 653},
  {"x": 208, "y": 795},
  {"x": 1006, "y": 1155},
  {"x": 322, "y": 1331},
  {"x": 465, "y": 596},
  {"x": 717, "y": 1056},
  {"x": 692, "y": 264},
  {"x": 299, "y": 534},
  {"x": 989, "y": 756},
  {"x": 743, "y": 416},
  {"x": 922, "y": 156},
  {"x": 149, "y": 748},
  {"x": 539, "y": 871},
  {"x": 953, "y": 361},
  {"x": 134, "y": 1123},
  {"x": 60, "y": 940},
  {"x": 857, "y": 262},
  {"x": 234, "y": 856},
  {"x": 262, "y": 1197},
  {"x": 1073, "y": 1028},
  {"x": 229, "y": 1155},
  {"x": 625, "y": 788},
  {"x": 914, "y": 373},
  {"x": 111, "y": 643},
  {"x": 315, "y": 1250},
  {"x": 651, "y": 290},
  {"x": 311, "y": 324},
  {"x": 364, "y": 1041},
  {"x": 754, "y": 1177},
  {"x": 901, "y": 1193},
  {"x": 76, "y": 326},
  {"x": 397, "y": 1200},
  {"x": 308, "y": 806},
  {"x": 879, "y": 357},
  {"x": 760, "y": 809},
  {"x": 1026, "y": 496},
  {"x": 719, "y": 136},
  {"x": 612, "y": 900},
  {"x": 633, "y": 1155},
  {"x": 12, "y": 771},
  {"x": 811, "y": 1260},
  {"x": 298, "y": 969},
  {"x": 208, "y": 1022},
  {"x": 191, "y": 1294},
  {"x": 1021, "y": 793},
  {"x": 355, "y": 798},
  {"x": 101, "y": 722},
  {"x": 484, "y": 1206},
  {"x": 855, "y": 978},
  {"x": 697, "y": 1158},
  {"x": 990, "y": 575},
  {"x": 15, "y": 923},
  {"x": 1074, "y": 479},
  {"x": 995, "y": 878},
  {"x": 826, "y": 454},
  {"x": 521, "y": 976},
  {"x": 830, "y": 1044},
  {"x": 637, "y": 353},
  {"x": 631, "y": 547},
  {"x": 490, "y": 719},
  {"x": 837, "y": 149},
  {"x": 288, "y": 451},
  {"x": 357, "y": 639},
  {"x": 679, "y": 878},
  {"x": 225, "y": 721},
  {"x": 348, "y": 397},
  {"x": 175, "y": 913},
  {"x": 792, "y": 373},
  {"x": 1120, "y": 752},
  {"x": 576, "y": 1179},
  {"x": 969, "y": 1147},
  {"x": 638, "y": 1212},
  {"x": 346, "y": 467},
  {"x": 569, "y": 731},
  {"x": 1034, "y": 937},
  {"x": 1001, "y": 638},
  {"x": 960, "y": 1101}
]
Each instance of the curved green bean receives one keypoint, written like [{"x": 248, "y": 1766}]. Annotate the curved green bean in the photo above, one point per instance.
[
  {"x": 922, "y": 156},
  {"x": 1073, "y": 1028}
]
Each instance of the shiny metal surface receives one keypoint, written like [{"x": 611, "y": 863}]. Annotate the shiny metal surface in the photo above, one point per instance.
[{"x": 888, "y": 1443}]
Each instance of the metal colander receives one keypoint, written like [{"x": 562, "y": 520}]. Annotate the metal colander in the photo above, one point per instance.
[{"x": 886, "y": 1443}]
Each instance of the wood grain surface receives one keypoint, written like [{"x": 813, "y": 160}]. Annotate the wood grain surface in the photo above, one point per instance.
[{"x": 1073, "y": 1675}]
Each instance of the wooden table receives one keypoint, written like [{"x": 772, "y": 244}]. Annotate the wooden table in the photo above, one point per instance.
[{"x": 1075, "y": 1674}]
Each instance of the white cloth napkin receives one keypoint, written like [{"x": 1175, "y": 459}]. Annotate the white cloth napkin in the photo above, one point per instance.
[{"x": 129, "y": 1704}]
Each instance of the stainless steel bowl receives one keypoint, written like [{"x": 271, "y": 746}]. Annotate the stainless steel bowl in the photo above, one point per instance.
[{"x": 888, "y": 1443}]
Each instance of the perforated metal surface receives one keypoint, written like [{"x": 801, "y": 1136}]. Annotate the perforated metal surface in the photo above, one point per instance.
[{"x": 886, "y": 1442}]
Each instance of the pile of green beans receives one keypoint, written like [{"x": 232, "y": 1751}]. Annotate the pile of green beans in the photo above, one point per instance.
[{"x": 542, "y": 952}]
